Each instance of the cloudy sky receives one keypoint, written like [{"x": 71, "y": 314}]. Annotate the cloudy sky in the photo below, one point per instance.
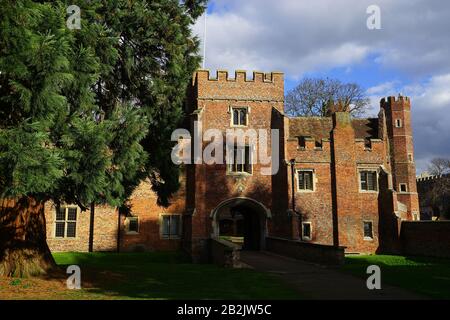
[{"x": 410, "y": 54}]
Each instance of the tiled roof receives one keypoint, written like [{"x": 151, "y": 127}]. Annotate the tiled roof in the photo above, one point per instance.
[
  {"x": 315, "y": 127},
  {"x": 320, "y": 127},
  {"x": 366, "y": 128}
]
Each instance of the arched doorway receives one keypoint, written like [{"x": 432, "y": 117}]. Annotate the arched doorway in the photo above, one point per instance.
[{"x": 242, "y": 221}]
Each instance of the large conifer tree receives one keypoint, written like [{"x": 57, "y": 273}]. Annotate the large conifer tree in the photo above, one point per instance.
[{"x": 86, "y": 114}]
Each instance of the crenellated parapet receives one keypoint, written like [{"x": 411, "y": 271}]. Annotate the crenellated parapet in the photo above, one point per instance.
[
  {"x": 241, "y": 76},
  {"x": 261, "y": 87},
  {"x": 391, "y": 99},
  {"x": 432, "y": 178},
  {"x": 396, "y": 103},
  {"x": 375, "y": 145},
  {"x": 370, "y": 151},
  {"x": 313, "y": 144}
]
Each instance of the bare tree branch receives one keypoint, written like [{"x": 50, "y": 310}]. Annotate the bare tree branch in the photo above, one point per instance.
[
  {"x": 312, "y": 96},
  {"x": 438, "y": 196},
  {"x": 439, "y": 166}
]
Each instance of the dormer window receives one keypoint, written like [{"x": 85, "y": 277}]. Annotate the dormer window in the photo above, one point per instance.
[{"x": 239, "y": 116}]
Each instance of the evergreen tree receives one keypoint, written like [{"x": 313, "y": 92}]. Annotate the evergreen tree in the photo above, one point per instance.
[{"x": 86, "y": 114}]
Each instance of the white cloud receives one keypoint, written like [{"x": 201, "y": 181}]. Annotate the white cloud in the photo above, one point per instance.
[
  {"x": 382, "y": 88},
  {"x": 298, "y": 36}
]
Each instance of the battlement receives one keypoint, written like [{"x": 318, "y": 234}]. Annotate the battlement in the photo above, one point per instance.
[
  {"x": 369, "y": 144},
  {"x": 308, "y": 143},
  {"x": 393, "y": 99},
  {"x": 240, "y": 76},
  {"x": 267, "y": 87},
  {"x": 431, "y": 178}
]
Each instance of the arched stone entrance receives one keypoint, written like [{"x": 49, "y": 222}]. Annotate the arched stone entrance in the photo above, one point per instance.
[{"x": 241, "y": 218}]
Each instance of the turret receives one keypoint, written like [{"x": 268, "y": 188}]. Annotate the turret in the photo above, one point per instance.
[{"x": 397, "y": 112}]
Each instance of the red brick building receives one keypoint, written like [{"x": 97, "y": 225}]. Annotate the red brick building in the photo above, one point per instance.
[{"x": 340, "y": 181}]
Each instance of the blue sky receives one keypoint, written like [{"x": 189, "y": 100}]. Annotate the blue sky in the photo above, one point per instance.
[
  {"x": 329, "y": 38},
  {"x": 367, "y": 73}
]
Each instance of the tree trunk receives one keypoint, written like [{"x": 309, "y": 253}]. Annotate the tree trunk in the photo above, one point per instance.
[
  {"x": 23, "y": 246},
  {"x": 91, "y": 227}
]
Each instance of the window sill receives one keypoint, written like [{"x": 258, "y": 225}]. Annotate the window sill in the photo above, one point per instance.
[
  {"x": 368, "y": 239},
  {"x": 368, "y": 191},
  {"x": 306, "y": 191},
  {"x": 406, "y": 193},
  {"x": 239, "y": 174},
  {"x": 171, "y": 238},
  {"x": 131, "y": 233}
]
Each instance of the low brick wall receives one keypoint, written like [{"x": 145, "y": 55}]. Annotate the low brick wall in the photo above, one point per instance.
[
  {"x": 224, "y": 253},
  {"x": 318, "y": 253},
  {"x": 426, "y": 238}
]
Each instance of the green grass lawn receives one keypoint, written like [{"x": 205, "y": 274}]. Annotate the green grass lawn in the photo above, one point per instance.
[
  {"x": 167, "y": 276},
  {"x": 427, "y": 276}
]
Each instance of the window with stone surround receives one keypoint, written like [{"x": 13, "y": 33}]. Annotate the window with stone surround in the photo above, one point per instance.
[
  {"x": 306, "y": 231},
  {"x": 66, "y": 222},
  {"x": 301, "y": 143},
  {"x": 241, "y": 160},
  {"x": 368, "y": 230},
  {"x": 398, "y": 123},
  {"x": 305, "y": 180},
  {"x": 368, "y": 180},
  {"x": 239, "y": 116},
  {"x": 170, "y": 226},
  {"x": 403, "y": 187},
  {"x": 132, "y": 225}
]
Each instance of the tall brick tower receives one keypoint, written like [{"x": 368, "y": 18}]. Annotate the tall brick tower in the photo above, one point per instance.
[
  {"x": 224, "y": 103},
  {"x": 401, "y": 150}
]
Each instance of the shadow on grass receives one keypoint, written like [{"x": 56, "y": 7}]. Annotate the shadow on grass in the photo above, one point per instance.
[
  {"x": 168, "y": 276},
  {"x": 426, "y": 276}
]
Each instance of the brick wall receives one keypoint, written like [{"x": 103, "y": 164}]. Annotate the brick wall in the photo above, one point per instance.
[
  {"x": 143, "y": 204},
  {"x": 224, "y": 253},
  {"x": 105, "y": 230},
  {"x": 306, "y": 251},
  {"x": 426, "y": 238}
]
